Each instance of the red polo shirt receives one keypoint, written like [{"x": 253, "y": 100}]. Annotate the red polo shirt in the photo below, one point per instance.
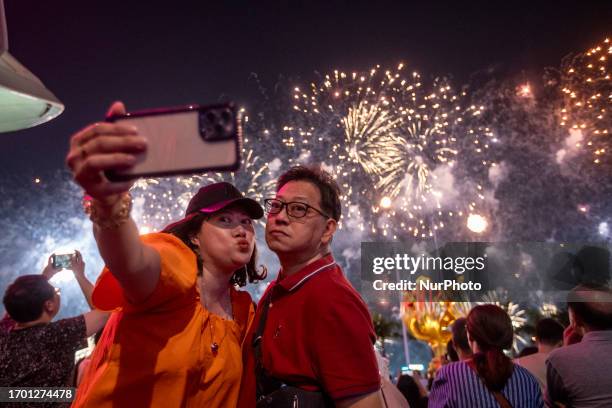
[{"x": 318, "y": 334}]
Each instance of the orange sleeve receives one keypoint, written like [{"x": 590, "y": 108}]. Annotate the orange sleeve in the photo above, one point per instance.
[{"x": 177, "y": 278}]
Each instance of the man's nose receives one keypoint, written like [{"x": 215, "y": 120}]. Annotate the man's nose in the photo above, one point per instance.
[{"x": 281, "y": 217}]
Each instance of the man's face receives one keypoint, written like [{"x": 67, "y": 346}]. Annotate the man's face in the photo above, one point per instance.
[
  {"x": 52, "y": 306},
  {"x": 288, "y": 235}
]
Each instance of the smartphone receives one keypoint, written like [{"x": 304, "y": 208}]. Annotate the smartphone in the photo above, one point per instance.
[
  {"x": 62, "y": 261},
  {"x": 184, "y": 140}
]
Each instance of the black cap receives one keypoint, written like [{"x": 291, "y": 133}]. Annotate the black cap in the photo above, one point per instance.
[{"x": 215, "y": 197}]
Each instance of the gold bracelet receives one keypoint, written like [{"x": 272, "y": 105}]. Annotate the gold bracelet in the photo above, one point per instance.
[{"x": 106, "y": 216}]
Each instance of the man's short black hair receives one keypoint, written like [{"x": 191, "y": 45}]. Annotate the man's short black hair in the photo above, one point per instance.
[
  {"x": 527, "y": 351},
  {"x": 592, "y": 304},
  {"x": 330, "y": 192},
  {"x": 24, "y": 299},
  {"x": 459, "y": 335},
  {"x": 549, "y": 332}
]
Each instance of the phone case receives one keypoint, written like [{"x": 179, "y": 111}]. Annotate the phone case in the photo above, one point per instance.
[
  {"x": 186, "y": 140},
  {"x": 61, "y": 260}
]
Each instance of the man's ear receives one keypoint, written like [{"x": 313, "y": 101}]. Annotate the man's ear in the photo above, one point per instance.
[
  {"x": 578, "y": 322},
  {"x": 575, "y": 319},
  {"x": 50, "y": 306},
  {"x": 330, "y": 228}
]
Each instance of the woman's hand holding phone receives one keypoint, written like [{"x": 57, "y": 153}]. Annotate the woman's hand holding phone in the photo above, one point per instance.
[
  {"x": 77, "y": 264},
  {"x": 94, "y": 151},
  {"x": 49, "y": 270},
  {"x": 100, "y": 147}
]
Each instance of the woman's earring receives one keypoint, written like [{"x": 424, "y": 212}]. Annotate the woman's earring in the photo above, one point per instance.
[{"x": 194, "y": 241}]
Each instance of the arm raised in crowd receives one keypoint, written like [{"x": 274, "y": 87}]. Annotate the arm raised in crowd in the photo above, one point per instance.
[
  {"x": 95, "y": 319},
  {"x": 93, "y": 150},
  {"x": 78, "y": 267},
  {"x": 49, "y": 270}
]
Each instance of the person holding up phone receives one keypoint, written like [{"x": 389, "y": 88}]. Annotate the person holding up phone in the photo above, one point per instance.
[
  {"x": 36, "y": 351},
  {"x": 178, "y": 322}
]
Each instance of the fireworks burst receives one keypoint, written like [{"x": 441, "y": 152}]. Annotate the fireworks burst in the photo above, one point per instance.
[
  {"x": 500, "y": 298},
  {"x": 548, "y": 310},
  {"x": 586, "y": 99},
  {"x": 385, "y": 130},
  {"x": 157, "y": 202}
]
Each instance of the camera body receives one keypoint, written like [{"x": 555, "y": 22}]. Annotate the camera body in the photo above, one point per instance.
[
  {"x": 62, "y": 261},
  {"x": 184, "y": 140}
]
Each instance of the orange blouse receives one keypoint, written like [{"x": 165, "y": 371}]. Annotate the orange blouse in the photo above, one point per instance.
[{"x": 158, "y": 353}]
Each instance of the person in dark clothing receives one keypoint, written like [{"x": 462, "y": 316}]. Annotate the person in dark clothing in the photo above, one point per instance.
[
  {"x": 577, "y": 374},
  {"x": 36, "y": 351}
]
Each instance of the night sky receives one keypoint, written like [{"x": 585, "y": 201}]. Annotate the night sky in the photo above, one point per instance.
[{"x": 90, "y": 53}]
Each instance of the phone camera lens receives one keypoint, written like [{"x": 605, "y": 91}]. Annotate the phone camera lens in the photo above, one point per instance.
[
  {"x": 226, "y": 116},
  {"x": 217, "y": 124},
  {"x": 211, "y": 117}
]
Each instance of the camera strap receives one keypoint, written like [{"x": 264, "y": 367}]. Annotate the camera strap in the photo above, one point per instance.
[{"x": 265, "y": 384}]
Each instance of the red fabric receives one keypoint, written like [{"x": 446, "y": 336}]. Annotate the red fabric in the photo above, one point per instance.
[{"x": 319, "y": 334}]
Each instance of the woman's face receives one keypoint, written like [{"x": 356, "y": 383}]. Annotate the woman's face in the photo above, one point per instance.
[{"x": 226, "y": 240}]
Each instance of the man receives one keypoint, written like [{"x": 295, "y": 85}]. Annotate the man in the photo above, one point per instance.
[
  {"x": 549, "y": 336},
  {"x": 460, "y": 340},
  {"x": 317, "y": 334},
  {"x": 577, "y": 375},
  {"x": 34, "y": 351}
]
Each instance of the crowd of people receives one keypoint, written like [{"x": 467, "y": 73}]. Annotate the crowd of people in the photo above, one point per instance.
[
  {"x": 566, "y": 368},
  {"x": 174, "y": 329}
]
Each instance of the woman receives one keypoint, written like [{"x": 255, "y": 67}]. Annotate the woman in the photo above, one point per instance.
[
  {"x": 489, "y": 378},
  {"x": 175, "y": 334}
]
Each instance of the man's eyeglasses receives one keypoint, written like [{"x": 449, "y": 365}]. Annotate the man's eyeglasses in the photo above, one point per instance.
[{"x": 295, "y": 209}]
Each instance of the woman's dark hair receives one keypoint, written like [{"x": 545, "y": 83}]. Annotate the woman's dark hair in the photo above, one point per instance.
[
  {"x": 549, "y": 331},
  {"x": 459, "y": 335},
  {"x": 451, "y": 353},
  {"x": 527, "y": 351},
  {"x": 186, "y": 230},
  {"x": 491, "y": 328},
  {"x": 24, "y": 299}
]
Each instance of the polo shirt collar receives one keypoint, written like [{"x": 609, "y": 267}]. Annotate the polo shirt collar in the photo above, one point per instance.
[
  {"x": 292, "y": 282},
  {"x": 598, "y": 335}
]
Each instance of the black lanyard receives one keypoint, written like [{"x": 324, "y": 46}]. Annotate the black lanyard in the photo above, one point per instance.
[{"x": 265, "y": 383}]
